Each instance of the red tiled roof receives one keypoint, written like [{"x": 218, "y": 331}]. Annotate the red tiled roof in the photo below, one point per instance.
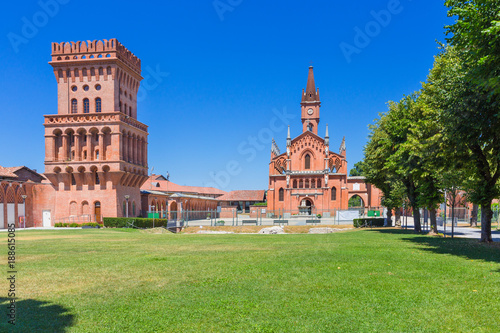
[
  {"x": 244, "y": 195},
  {"x": 167, "y": 186},
  {"x": 8, "y": 172}
]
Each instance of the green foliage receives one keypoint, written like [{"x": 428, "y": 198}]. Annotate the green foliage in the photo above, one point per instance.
[
  {"x": 355, "y": 201},
  {"x": 137, "y": 222},
  {"x": 358, "y": 170},
  {"x": 260, "y": 204},
  {"x": 367, "y": 222},
  {"x": 319, "y": 216}
]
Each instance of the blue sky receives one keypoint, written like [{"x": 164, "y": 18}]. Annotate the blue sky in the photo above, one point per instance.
[{"x": 224, "y": 76}]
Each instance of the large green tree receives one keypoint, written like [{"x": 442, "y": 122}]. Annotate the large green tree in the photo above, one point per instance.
[{"x": 470, "y": 117}]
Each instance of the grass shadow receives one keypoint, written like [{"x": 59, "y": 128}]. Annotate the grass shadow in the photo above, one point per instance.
[
  {"x": 462, "y": 247},
  {"x": 36, "y": 316}
]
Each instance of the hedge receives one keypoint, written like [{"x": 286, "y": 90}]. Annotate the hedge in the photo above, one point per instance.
[
  {"x": 76, "y": 225},
  {"x": 374, "y": 222},
  {"x": 124, "y": 222}
]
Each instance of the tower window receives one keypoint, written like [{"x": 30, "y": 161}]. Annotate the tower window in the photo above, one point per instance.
[
  {"x": 295, "y": 184},
  {"x": 97, "y": 180},
  {"x": 307, "y": 162},
  {"x": 86, "y": 105},
  {"x": 310, "y": 127},
  {"x": 74, "y": 106},
  {"x": 98, "y": 104},
  {"x": 281, "y": 194},
  {"x": 130, "y": 111}
]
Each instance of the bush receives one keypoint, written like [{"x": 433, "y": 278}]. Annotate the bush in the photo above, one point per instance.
[
  {"x": 260, "y": 204},
  {"x": 374, "y": 222},
  {"x": 124, "y": 222},
  {"x": 318, "y": 216},
  {"x": 91, "y": 224}
]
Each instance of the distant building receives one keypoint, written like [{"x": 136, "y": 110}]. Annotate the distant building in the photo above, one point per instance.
[
  {"x": 16, "y": 182},
  {"x": 309, "y": 178},
  {"x": 242, "y": 200}
]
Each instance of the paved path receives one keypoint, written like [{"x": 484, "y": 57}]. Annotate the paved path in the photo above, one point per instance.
[{"x": 466, "y": 232}]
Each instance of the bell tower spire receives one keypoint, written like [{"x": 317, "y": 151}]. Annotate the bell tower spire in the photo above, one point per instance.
[{"x": 310, "y": 105}]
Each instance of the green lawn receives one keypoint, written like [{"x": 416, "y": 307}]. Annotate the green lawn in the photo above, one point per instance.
[{"x": 358, "y": 281}]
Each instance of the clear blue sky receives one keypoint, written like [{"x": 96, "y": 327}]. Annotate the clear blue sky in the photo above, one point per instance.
[{"x": 228, "y": 69}]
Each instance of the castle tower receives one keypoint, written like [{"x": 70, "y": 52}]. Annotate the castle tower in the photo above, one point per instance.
[
  {"x": 310, "y": 105},
  {"x": 95, "y": 148}
]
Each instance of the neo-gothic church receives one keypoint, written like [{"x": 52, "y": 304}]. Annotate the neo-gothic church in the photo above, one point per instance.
[{"x": 309, "y": 178}]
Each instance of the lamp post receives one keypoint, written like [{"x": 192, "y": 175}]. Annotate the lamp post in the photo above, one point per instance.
[
  {"x": 154, "y": 212},
  {"x": 126, "y": 208},
  {"x": 24, "y": 196}
]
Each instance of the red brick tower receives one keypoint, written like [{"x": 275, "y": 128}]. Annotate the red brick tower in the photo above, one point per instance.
[{"x": 95, "y": 148}]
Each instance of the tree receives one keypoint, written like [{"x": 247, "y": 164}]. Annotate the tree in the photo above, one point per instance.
[
  {"x": 476, "y": 35},
  {"x": 357, "y": 170},
  {"x": 469, "y": 115}
]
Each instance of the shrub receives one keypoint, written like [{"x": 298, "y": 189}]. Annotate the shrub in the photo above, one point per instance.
[
  {"x": 91, "y": 224},
  {"x": 260, "y": 204},
  {"x": 318, "y": 216},
  {"x": 74, "y": 225},
  {"x": 374, "y": 222},
  {"x": 220, "y": 222},
  {"x": 124, "y": 222},
  {"x": 57, "y": 225}
]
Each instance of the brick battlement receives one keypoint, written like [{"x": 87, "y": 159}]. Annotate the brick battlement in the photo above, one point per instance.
[{"x": 94, "y": 50}]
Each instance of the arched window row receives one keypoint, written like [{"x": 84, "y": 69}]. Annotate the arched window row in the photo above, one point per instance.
[
  {"x": 11, "y": 193},
  {"x": 134, "y": 148},
  {"x": 80, "y": 144},
  {"x": 86, "y": 105},
  {"x": 127, "y": 80},
  {"x": 307, "y": 183}
]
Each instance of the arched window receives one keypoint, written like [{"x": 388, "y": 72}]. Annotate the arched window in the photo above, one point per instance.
[
  {"x": 313, "y": 183},
  {"x": 74, "y": 106},
  {"x": 130, "y": 111},
  {"x": 319, "y": 183},
  {"x": 98, "y": 104},
  {"x": 295, "y": 184},
  {"x": 310, "y": 127},
  {"x": 301, "y": 184},
  {"x": 281, "y": 194},
  {"x": 334, "y": 193},
  {"x": 307, "y": 162},
  {"x": 97, "y": 180},
  {"x": 133, "y": 209},
  {"x": 124, "y": 209},
  {"x": 86, "y": 105},
  {"x": 307, "y": 183}
]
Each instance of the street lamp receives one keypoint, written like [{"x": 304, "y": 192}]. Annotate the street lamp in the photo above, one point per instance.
[
  {"x": 24, "y": 196},
  {"x": 126, "y": 208}
]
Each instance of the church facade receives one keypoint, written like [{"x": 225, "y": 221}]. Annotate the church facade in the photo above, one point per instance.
[{"x": 309, "y": 178}]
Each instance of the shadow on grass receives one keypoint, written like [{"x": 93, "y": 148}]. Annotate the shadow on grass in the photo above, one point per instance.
[
  {"x": 462, "y": 247},
  {"x": 36, "y": 316}
]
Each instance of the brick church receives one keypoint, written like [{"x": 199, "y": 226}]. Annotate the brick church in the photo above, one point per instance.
[{"x": 309, "y": 178}]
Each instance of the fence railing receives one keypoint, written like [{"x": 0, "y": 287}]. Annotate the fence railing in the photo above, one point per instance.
[{"x": 80, "y": 219}]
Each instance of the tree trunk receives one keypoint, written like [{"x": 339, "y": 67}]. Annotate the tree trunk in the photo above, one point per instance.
[
  {"x": 416, "y": 220},
  {"x": 432, "y": 213},
  {"x": 389, "y": 217},
  {"x": 398, "y": 217},
  {"x": 486, "y": 215},
  {"x": 473, "y": 215}
]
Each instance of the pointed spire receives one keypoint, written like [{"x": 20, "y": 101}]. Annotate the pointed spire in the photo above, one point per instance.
[
  {"x": 310, "y": 94},
  {"x": 342, "y": 146}
]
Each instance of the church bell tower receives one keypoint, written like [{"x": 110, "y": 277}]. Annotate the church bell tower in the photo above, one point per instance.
[{"x": 310, "y": 105}]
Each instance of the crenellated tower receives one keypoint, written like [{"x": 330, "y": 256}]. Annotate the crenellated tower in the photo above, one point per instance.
[{"x": 95, "y": 148}]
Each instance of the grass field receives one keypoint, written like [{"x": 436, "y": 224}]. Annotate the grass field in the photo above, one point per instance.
[{"x": 354, "y": 281}]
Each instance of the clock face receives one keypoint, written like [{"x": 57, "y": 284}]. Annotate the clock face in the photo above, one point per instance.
[{"x": 310, "y": 112}]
